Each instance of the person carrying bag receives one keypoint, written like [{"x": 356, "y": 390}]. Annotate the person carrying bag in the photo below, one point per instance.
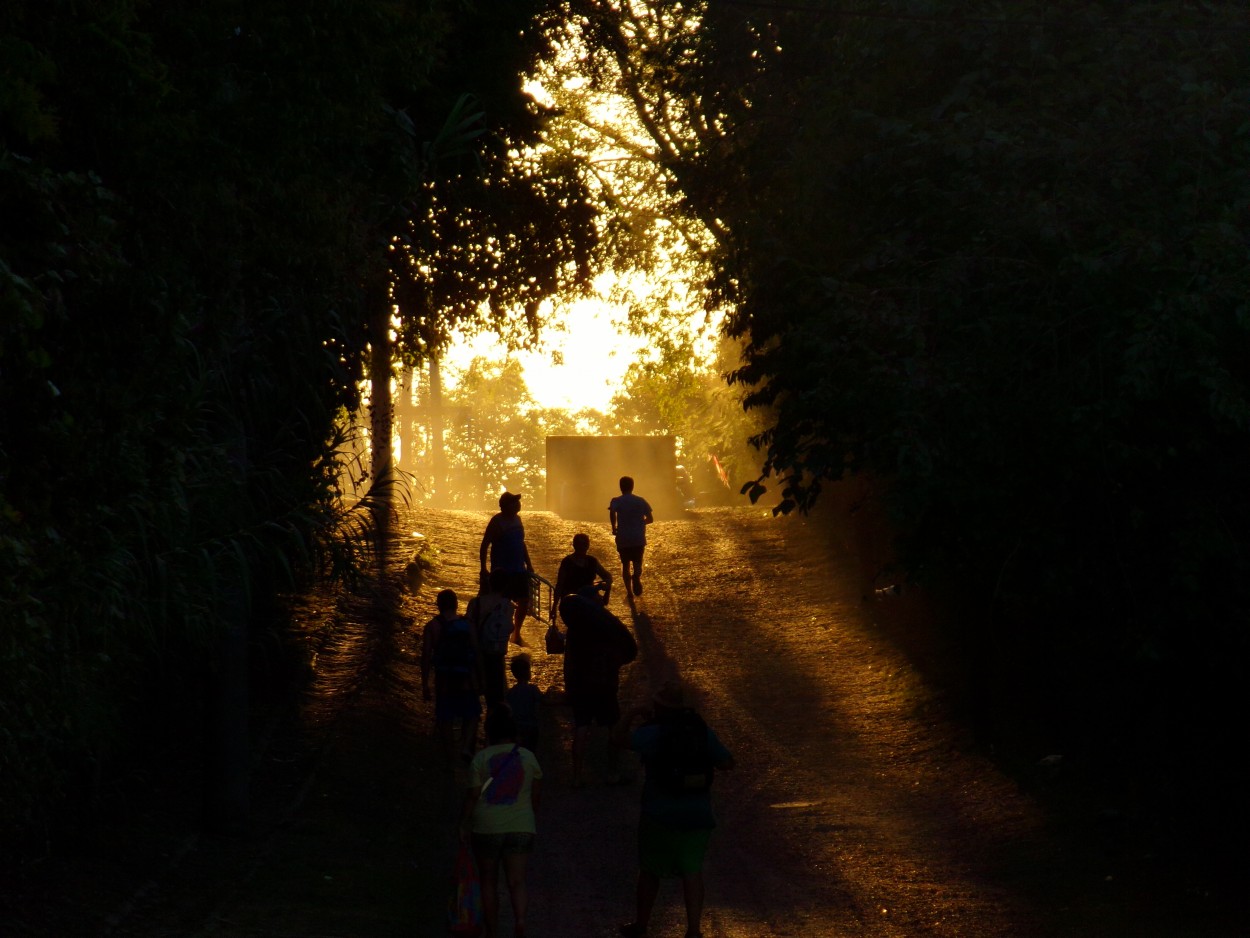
[{"x": 465, "y": 909}]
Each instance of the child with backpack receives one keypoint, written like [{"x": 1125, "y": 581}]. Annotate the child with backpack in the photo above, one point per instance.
[{"x": 449, "y": 650}]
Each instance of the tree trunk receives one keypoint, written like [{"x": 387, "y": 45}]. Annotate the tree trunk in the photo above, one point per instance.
[
  {"x": 438, "y": 456},
  {"x": 405, "y": 418},
  {"x": 380, "y": 407}
]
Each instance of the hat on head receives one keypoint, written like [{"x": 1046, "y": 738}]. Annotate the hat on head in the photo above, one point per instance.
[{"x": 510, "y": 498}]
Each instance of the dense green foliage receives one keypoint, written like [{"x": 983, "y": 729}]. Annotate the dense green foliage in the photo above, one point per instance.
[
  {"x": 499, "y": 224},
  {"x": 188, "y": 209},
  {"x": 496, "y": 432},
  {"x": 501, "y": 444},
  {"x": 196, "y": 204},
  {"x": 664, "y": 394},
  {"x": 490, "y": 226},
  {"x": 999, "y": 260},
  {"x": 1011, "y": 274}
]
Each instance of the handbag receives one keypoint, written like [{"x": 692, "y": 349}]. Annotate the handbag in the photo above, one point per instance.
[
  {"x": 554, "y": 640},
  {"x": 464, "y": 910}
]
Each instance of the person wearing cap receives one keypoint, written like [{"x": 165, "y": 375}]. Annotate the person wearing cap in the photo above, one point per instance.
[
  {"x": 581, "y": 568},
  {"x": 675, "y": 824},
  {"x": 510, "y": 565}
]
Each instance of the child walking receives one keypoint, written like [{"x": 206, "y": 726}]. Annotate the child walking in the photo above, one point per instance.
[
  {"x": 449, "y": 651},
  {"x": 524, "y": 699},
  {"x": 498, "y": 817}
]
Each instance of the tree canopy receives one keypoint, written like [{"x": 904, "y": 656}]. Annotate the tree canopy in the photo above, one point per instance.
[
  {"x": 196, "y": 205},
  {"x": 997, "y": 260}
]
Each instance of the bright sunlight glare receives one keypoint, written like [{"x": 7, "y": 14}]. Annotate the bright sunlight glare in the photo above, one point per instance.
[{"x": 580, "y": 363}]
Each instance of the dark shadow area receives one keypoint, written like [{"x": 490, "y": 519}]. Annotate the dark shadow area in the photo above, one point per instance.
[{"x": 1075, "y": 741}]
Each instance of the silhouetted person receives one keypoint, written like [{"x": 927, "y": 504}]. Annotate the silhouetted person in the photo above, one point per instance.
[
  {"x": 679, "y": 754},
  {"x": 525, "y": 699},
  {"x": 510, "y": 566},
  {"x": 449, "y": 650},
  {"x": 491, "y": 613},
  {"x": 581, "y": 568},
  {"x": 630, "y": 514},
  {"x": 499, "y": 816},
  {"x": 597, "y": 646}
]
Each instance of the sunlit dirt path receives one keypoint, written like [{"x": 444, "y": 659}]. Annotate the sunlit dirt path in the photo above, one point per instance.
[
  {"x": 857, "y": 807},
  {"x": 838, "y": 819}
]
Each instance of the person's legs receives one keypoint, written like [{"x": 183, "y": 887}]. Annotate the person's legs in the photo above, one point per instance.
[
  {"x": 492, "y": 679},
  {"x": 518, "y": 619},
  {"x": 644, "y": 898},
  {"x": 514, "y": 871},
  {"x": 581, "y": 742},
  {"x": 519, "y": 593},
  {"x": 488, "y": 873},
  {"x": 631, "y": 569},
  {"x": 447, "y": 740},
  {"x": 468, "y": 735},
  {"x": 613, "y": 767},
  {"x": 653, "y": 859},
  {"x": 692, "y": 890},
  {"x": 608, "y": 715}
]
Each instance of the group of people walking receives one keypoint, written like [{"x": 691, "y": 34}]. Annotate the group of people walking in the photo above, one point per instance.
[
  {"x": 503, "y": 543},
  {"x": 468, "y": 656}
]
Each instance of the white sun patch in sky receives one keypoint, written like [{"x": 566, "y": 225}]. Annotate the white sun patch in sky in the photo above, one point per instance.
[{"x": 580, "y": 364}]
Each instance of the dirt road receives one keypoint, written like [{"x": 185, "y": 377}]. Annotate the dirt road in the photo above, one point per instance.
[{"x": 857, "y": 807}]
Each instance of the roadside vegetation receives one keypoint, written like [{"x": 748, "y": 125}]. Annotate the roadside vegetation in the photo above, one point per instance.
[{"x": 994, "y": 264}]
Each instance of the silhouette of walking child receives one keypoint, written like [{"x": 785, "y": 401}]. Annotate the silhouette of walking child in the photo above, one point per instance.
[
  {"x": 525, "y": 700},
  {"x": 629, "y": 515},
  {"x": 449, "y": 650}
]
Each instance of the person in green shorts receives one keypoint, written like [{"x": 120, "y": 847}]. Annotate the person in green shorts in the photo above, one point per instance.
[{"x": 679, "y": 754}]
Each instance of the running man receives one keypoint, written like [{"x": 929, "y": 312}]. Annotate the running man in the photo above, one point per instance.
[{"x": 630, "y": 514}]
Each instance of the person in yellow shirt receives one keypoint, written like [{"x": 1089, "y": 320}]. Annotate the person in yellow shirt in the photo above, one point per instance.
[{"x": 499, "y": 816}]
